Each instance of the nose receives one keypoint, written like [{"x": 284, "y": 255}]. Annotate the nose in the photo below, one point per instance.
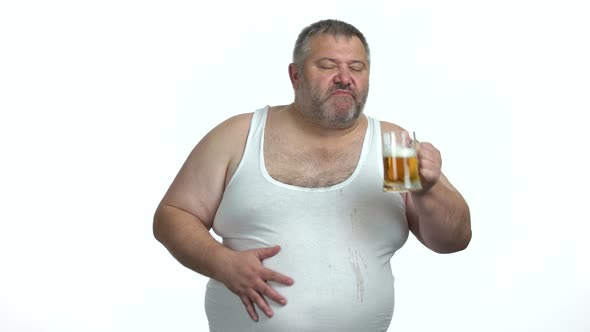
[{"x": 343, "y": 77}]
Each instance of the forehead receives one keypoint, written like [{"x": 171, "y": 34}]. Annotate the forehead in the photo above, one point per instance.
[{"x": 337, "y": 47}]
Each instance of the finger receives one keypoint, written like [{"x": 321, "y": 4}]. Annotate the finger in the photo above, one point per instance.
[
  {"x": 270, "y": 275},
  {"x": 249, "y": 308},
  {"x": 428, "y": 165},
  {"x": 425, "y": 146},
  {"x": 429, "y": 161},
  {"x": 264, "y": 253},
  {"x": 266, "y": 290},
  {"x": 260, "y": 302},
  {"x": 429, "y": 155},
  {"x": 429, "y": 175}
]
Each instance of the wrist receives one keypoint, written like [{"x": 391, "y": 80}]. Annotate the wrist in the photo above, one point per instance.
[
  {"x": 220, "y": 258},
  {"x": 427, "y": 189}
]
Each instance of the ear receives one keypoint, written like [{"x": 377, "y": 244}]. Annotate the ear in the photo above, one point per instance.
[{"x": 294, "y": 75}]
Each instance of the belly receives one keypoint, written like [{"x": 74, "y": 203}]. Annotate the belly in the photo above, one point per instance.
[
  {"x": 336, "y": 245},
  {"x": 348, "y": 289}
]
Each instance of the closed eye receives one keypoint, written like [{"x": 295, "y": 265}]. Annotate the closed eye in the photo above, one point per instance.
[
  {"x": 326, "y": 63},
  {"x": 358, "y": 67},
  {"x": 327, "y": 66}
]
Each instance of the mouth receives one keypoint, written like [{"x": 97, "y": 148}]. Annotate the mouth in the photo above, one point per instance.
[{"x": 340, "y": 92}]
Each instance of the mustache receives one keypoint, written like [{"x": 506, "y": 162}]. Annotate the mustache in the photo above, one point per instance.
[{"x": 341, "y": 86}]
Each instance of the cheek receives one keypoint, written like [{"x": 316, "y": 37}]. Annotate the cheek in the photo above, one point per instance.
[
  {"x": 362, "y": 82},
  {"x": 317, "y": 87},
  {"x": 316, "y": 84}
]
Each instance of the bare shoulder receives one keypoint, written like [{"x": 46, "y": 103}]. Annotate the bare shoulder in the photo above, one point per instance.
[
  {"x": 229, "y": 134},
  {"x": 223, "y": 144},
  {"x": 388, "y": 126},
  {"x": 233, "y": 133},
  {"x": 200, "y": 182}
]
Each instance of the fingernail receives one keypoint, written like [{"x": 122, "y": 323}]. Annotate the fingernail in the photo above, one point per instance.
[{"x": 283, "y": 302}]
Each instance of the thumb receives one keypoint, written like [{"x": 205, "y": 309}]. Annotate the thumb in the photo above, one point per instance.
[{"x": 264, "y": 253}]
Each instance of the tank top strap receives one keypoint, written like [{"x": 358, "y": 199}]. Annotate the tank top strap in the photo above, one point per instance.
[{"x": 250, "y": 162}]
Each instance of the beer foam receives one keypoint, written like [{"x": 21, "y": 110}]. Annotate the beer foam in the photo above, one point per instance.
[
  {"x": 405, "y": 152},
  {"x": 387, "y": 151},
  {"x": 400, "y": 151}
]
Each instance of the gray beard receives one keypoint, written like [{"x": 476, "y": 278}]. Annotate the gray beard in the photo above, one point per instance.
[{"x": 317, "y": 112}]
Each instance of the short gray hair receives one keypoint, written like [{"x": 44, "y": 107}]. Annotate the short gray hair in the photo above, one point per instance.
[{"x": 330, "y": 27}]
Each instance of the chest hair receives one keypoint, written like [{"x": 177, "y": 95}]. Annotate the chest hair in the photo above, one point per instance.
[{"x": 308, "y": 166}]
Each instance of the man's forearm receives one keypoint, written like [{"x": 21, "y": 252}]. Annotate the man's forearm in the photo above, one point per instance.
[
  {"x": 444, "y": 219},
  {"x": 189, "y": 241}
]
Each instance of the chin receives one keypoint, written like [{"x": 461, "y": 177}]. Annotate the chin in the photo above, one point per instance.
[{"x": 343, "y": 120}]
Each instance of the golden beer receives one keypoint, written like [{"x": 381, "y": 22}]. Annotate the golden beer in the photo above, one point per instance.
[{"x": 400, "y": 171}]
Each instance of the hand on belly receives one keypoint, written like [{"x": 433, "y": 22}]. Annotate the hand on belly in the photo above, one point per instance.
[{"x": 246, "y": 277}]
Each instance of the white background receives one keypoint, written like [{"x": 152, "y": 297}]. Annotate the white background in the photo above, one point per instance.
[{"x": 101, "y": 102}]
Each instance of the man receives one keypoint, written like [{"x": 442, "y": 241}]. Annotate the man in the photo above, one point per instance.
[{"x": 295, "y": 192}]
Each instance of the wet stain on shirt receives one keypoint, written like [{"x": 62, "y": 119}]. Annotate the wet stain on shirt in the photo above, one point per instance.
[{"x": 358, "y": 265}]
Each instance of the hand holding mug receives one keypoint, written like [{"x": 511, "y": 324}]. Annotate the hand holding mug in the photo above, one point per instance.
[{"x": 429, "y": 164}]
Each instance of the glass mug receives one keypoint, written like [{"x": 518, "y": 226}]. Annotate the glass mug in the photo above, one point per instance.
[{"x": 400, "y": 162}]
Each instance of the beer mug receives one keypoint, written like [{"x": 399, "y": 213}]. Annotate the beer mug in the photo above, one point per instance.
[{"x": 400, "y": 162}]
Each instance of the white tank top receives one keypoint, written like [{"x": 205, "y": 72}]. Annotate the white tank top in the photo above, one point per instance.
[{"x": 336, "y": 243}]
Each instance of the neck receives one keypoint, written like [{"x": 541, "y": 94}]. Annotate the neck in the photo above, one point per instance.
[{"x": 315, "y": 129}]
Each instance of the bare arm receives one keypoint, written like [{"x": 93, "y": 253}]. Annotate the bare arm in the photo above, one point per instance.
[
  {"x": 437, "y": 215},
  {"x": 187, "y": 238},
  {"x": 185, "y": 215}
]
